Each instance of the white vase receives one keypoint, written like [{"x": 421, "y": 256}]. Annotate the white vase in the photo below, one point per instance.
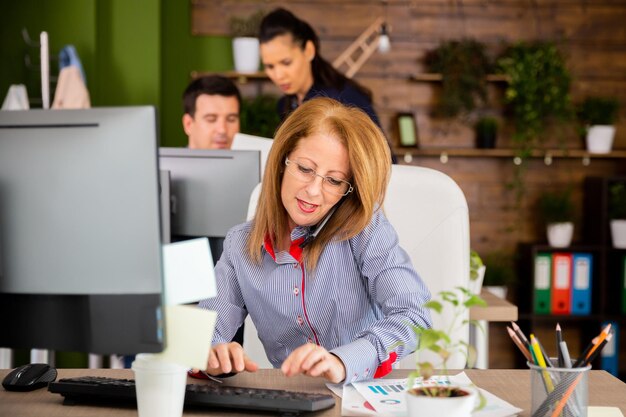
[
  {"x": 246, "y": 54},
  {"x": 475, "y": 285},
  {"x": 618, "y": 233},
  {"x": 560, "y": 234},
  {"x": 600, "y": 138},
  {"x": 423, "y": 406}
]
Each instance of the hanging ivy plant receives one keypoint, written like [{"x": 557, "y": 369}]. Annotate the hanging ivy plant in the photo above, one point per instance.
[
  {"x": 463, "y": 66},
  {"x": 538, "y": 94}
]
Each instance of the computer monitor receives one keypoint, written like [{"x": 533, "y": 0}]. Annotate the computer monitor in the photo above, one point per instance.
[
  {"x": 80, "y": 246},
  {"x": 210, "y": 189}
]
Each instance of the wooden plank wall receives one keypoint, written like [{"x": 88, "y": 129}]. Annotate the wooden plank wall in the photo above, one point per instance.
[{"x": 591, "y": 34}]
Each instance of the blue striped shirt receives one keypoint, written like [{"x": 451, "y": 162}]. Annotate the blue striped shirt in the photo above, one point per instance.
[{"x": 357, "y": 303}]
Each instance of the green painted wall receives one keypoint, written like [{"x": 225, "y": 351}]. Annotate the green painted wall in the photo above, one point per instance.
[
  {"x": 183, "y": 53},
  {"x": 133, "y": 52}
]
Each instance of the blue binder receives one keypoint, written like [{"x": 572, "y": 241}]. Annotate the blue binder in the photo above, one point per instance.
[
  {"x": 609, "y": 355},
  {"x": 582, "y": 271}
]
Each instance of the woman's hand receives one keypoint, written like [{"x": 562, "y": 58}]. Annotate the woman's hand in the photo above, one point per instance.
[
  {"x": 229, "y": 357},
  {"x": 314, "y": 360}
]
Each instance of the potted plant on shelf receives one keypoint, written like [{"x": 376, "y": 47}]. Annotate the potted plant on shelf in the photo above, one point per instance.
[
  {"x": 245, "y": 41},
  {"x": 617, "y": 214},
  {"x": 463, "y": 66},
  {"x": 557, "y": 211},
  {"x": 486, "y": 129},
  {"x": 445, "y": 399},
  {"x": 477, "y": 272},
  {"x": 598, "y": 114},
  {"x": 537, "y": 96}
]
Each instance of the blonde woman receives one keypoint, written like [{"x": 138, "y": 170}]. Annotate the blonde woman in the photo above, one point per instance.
[{"x": 319, "y": 269}]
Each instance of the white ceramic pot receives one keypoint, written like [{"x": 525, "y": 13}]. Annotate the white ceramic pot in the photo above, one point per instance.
[
  {"x": 477, "y": 284},
  {"x": 600, "y": 138},
  {"x": 560, "y": 234},
  {"x": 246, "y": 54},
  {"x": 423, "y": 406},
  {"x": 618, "y": 233}
]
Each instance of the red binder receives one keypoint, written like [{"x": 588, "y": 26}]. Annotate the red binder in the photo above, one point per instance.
[{"x": 561, "y": 282}]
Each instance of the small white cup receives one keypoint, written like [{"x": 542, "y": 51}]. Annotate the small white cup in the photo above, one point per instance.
[{"x": 160, "y": 386}]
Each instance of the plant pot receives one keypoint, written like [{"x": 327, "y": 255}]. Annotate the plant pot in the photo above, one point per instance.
[
  {"x": 477, "y": 284},
  {"x": 600, "y": 138},
  {"x": 618, "y": 233},
  {"x": 560, "y": 234},
  {"x": 486, "y": 140},
  {"x": 246, "y": 54},
  {"x": 426, "y": 406}
]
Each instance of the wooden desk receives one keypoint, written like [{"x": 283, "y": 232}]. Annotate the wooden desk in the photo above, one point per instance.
[
  {"x": 497, "y": 309},
  {"x": 510, "y": 385}
]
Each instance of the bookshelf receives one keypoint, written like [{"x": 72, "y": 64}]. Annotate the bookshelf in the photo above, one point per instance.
[{"x": 607, "y": 286}]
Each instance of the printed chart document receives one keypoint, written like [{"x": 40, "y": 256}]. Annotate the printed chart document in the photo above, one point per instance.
[{"x": 386, "y": 397}]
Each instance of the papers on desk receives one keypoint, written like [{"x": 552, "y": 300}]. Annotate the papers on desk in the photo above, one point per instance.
[
  {"x": 604, "y": 412},
  {"x": 386, "y": 397},
  {"x": 189, "y": 277}
]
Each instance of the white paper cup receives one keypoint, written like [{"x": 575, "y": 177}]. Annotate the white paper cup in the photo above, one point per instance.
[{"x": 160, "y": 386}]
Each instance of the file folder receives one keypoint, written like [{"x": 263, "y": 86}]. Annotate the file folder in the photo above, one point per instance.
[
  {"x": 542, "y": 278},
  {"x": 581, "y": 283},
  {"x": 561, "y": 281},
  {"x": 609, "y": 355},
  {"x": 624, "y": 284}
]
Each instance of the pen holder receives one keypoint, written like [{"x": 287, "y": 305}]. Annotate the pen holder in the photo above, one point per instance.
[{"x": 559, "y": 392}]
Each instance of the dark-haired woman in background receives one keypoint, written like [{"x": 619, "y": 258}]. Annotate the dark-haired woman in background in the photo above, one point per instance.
[{"x": 290, "y": 51}]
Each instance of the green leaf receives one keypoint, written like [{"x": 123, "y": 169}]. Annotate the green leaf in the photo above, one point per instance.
[{"x": 434, "y": 305}]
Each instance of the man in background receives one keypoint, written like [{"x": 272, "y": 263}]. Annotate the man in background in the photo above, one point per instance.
[{"x": 211, "y": 105}]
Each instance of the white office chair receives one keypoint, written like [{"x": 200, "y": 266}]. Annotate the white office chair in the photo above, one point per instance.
[
  {"x": 429, "y": 212},
  {"x": 245, "y": 142}
]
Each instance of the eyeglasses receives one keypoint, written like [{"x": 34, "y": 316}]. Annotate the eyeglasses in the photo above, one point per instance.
[{"x": 306, "y": 174}]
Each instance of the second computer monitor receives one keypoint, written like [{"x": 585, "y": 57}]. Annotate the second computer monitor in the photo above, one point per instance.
[{"x": 210, "y": 189}]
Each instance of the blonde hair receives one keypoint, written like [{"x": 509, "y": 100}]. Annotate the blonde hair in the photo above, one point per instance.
[{"x": 370, "y": 165}]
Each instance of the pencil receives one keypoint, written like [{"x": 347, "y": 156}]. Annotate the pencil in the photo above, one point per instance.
[
  {"x": 519, "y": 344},
  {"x": 601, "y": 338},
  {"x": 567, "y": 361},
  {"x": 559, "y": 339},
  {"x": 541, "y": 362},
  {"x": 520, "y": 334},
  {"x": 566, "y": 396},
  {"x": 593, "y": 345},
  {"x": 545, "y": 355},
  {"x": 583, "y": 356},
  {"x": 595, "y": 353}
]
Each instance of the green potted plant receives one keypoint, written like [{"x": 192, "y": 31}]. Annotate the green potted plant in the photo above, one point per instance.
[
  {"x": 617, "y": 213},
  {"x": 477, "y": 272},
  {"x": 443, "y": 399},
  {"x": 557, "y": 210},
  {"x": 537, "y": 96},
  {"x": 244, "y": 31},
  {"x": 463, "y": 66},
  {"x": 500, "y": 274},
  {"x": 598, "y": 114},
  {"x": 486, "y": 129},
  {"x": 259, "y": 116}
]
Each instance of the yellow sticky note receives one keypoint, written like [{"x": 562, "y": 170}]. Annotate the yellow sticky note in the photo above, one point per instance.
[
  {"x": 188, "y": 271},
  {"x": 604, "y": 412},
  {"x": 188, "y": 335}
]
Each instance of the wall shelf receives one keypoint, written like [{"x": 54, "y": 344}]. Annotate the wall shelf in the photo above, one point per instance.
[
  {"x": 435, "y": 77},
  {"x": 508, "y": 153},
  {"x": 240, "y": 77}
]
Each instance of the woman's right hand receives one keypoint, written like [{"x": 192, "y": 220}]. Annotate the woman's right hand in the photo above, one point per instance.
[{"x": 229, "y": 357}]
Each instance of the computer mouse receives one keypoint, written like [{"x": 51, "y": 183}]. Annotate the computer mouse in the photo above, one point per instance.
[{"x": 29, "y": 377}]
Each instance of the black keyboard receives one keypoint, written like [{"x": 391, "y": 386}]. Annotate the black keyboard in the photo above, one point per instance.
[{"x": 122, "y": 391}]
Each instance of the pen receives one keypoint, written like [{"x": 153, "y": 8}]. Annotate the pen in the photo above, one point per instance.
[{"x": 559, "y": 340}]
